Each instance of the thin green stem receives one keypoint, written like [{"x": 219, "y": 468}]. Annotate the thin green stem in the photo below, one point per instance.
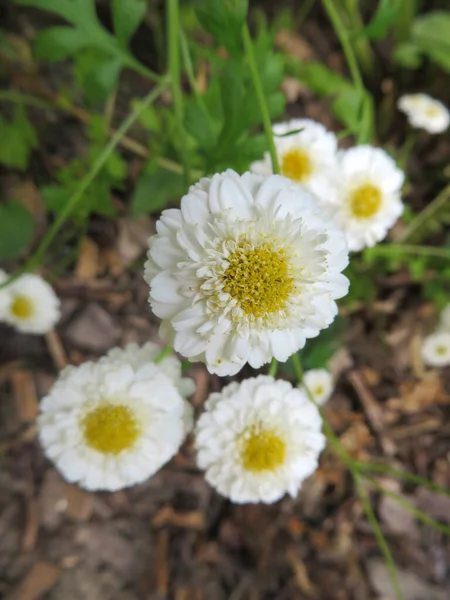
[
  {"x": 405, "y": 151},
  {"x": 389, "y": 249},
  {"x": 364, "y": 467},
  {"x": 88, "y": 179},
  {"x": 302, "y": 13},
  {"x": 361, "y": 44},
  {"x": 248, "y": 45},
  {"x": 167, "y": 351},
  {"x": 427, "y": 214},
  {"x": 273, "y": 368},
  {"x": 13, "y": 96},
  {"x": 366, "y": 106},
  {"x": 379, "y": 535},
  {"x": 416, "y": 512},
  {"x": 190, "y": 71},
  {"x": 173, "y": 51}
]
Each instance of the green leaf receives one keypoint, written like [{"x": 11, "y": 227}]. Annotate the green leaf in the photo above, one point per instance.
[
  {"x": 408, "y": 55},
  {"x": 148, "y": 118},
  {"x": 96, "y": 74},
  {"x": 431, "y": 33},
  {"x": 155, "y": 188},
  {"x": 74, "y": 11},
  {"x": 347, "y": 108},
  {"x": 384, "y": 17},
  {"x": 16, "y": 229},
  {"x": 127, "y": 14},
  {"x": 200, "y": 125},
  {"x": 58, "y": 43},
  {"x": 224, "y": 20},
  {"x": 18, "y": 138}
]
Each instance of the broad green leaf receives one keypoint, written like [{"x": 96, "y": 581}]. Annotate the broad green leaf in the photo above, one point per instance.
[
  {"x": 431, "y": 34},
  {"x": 18, "y": 137},
  {"x": 155, "y": 189},
  {"x": 224, "y": 20},
  {"x": 74, "y": 11},
  {"x": 96, "y": 73},
  {"x": 16, "y": 229},
  {"x": 127, "y": 15},
  {"x": 383, "y": 18},
  {"x": 58, "y": 43},
  {"x": 148, "y": 118},
  {"x": 408, "y": 55},
  {"x": 200, "y": 125},
  {"x": 347, "y": 108}
]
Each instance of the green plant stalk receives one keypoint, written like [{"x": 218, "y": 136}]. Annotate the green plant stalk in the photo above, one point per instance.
[
  {"x": 404, "y": 20},
  {"x": 366, "y": 108},
  {"x": 352, "y": 465},
  {"x": 248, "y": 45},
  {"x": 416, "y": 512},
  {"x": 87, "y": 180},
  {"x": 190, "y": 71},
  {"x": 173, "y": 51},
  {"x": 381, "y": 540},
  {"x": 364, "y": 467},
  {"x": 362, "y": 46},
  {"x": 273, "y": 368},
  {"x": 405, "y": 151},
  {"x": 413, "y": 230},
  {"x": 167, "y": 351},
  {"x": 432, "y": 251}
]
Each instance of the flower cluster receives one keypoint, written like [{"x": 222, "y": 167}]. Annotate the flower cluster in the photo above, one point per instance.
[
  {"x": 424, "y": 112},
  {"x": 359, "y": 189},
  {"x": 29, "y": 304},
  {"x": 436, "y": 347}
]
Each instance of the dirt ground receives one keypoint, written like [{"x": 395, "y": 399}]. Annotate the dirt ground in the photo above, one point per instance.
[{"x": 173, "y": 537}]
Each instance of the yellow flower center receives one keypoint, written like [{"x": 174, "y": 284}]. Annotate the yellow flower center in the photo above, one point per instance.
[
  {"x": 441, "y": 350},
  {"x": 263, "y": 451},
  {"x": 318, "y": 390},
  {"x": 22, "y": 307},
  {"x": 365, "y": 201},
  {"x": 259, "y": 278},
  {"x": 432, "y": 111},
  {"x": 110, "y": 428},
  {"x": 296, "y": 165}
]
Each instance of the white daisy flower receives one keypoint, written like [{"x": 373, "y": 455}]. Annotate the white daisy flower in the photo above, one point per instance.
[
  {"x": 365, "y": 199},
  {"x": 29, "y": 304},
  {"x": 245, "y": 271},
  {"x": 258, "y": 440},
  {"x": 305, "y": 157},
  {"x": 444, "y": 320},
  {"x": 112, "y": 424},
  {"x": 320, "y": 384},
  {"x": 425, "y": 112},
  {"x": 436, "y": 349}
]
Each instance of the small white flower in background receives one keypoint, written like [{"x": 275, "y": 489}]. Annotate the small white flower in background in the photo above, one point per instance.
[
  {"x": 114, "y": 423},
  {"x": 436, "y": 349},
  {"x": 258, "y": 440},
  {"x": 305, "y": 157},
  {"x": 320, "y": 384},
  {"x": 444, "y": 319},
  {"x": 365, "y": 196},
  {"x": 29, "y": 303},
  {"x": 425, "y": 112},
  {"x": 245, "y": 271}
]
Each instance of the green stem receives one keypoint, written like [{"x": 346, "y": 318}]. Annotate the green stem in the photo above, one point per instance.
[
  {"x": 248, "y": 45},
  {"x": 361, "y": 44},
  {"x": 88, "y": 179},
  {"x": 388, "y": 249},
  {"x": 173, "y": 35},
  {"x": 381, "y": 540},
  {"x": 273, "y": 368},
  {"x": 427, "y": 214},
  {"x": 416, "y": 512},
  {"x": 167, "y": 351},
  {"x": 190, "y": 71},
  {"x": 405, "y": 150},
  {"x": 12, "y": 96},
  {"x": 366, "y": 106}
]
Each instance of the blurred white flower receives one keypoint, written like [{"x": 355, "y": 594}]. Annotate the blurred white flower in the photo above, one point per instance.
[
  {"x": 112, "y": 424},
  {"x": 444, "y": 319},
  {"x": 425, "y": 112},
  {"x": 305, "y": 157},
  {"x": 364, "y": 197},
  {"x": 245, "y": 271},
  {"x": 436, "y": 349},
  {"x": 258, "y": 440},
  {"x": 29, "y": 304},
  {"x": 320, "y": 384}
]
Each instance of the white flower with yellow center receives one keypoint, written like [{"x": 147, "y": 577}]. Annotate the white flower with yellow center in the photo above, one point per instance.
[
  {"x": 29, "y": 304},
  {"x": 245, "y": 271},
  {"x": 306, "y": 153},
  {"x": 365, "y": 196},
  {"x": 258, "y": 440},
  {"x": 424, "y": 112},
  {"x": 320, "y": 384},
  {"x": 112, "y": 424},
  {"x": 436, "y": 349}
]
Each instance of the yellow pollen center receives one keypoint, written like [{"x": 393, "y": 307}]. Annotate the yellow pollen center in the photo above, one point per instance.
[
  {"x": 432, "y": 111},
  {"x": 319, "y": 390},
  {"x": 441, "y": 350},
  {"x": 258, "y": 278},
  {"x": 22, "y": 307},
  {"x": 365, "y": 201},
  {"x": 110, "y": 428},
  {"x": 263, "y": 451},
  {"x": 296, "y": 165}
]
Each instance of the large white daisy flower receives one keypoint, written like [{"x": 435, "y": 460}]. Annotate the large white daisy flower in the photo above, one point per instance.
[
  {"x": 258, "y": 440},
  {"x": 365, "y": 197},
  {"x": 29, "y": 304},
  {"x": 245, "y": 271},
  {"x": 112, "y": 424},
  {"x": 424, "y": 112},
  {"x": 436, "y": 349},
  {"x": 306, "y": 156},
  {"x": 319, "y": 383}
]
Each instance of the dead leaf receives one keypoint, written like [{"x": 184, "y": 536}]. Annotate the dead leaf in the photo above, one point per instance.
[
  {"x": 88, "y": 264},
  {"x": 186, "y": 520},
  {"x": 132, "y": 239},
  {"x": 415, "y": 396},
  {"x": 94, "y": 329},
  {"x": 40, "y": 580},
  {"x": 24, "y": 391}
]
